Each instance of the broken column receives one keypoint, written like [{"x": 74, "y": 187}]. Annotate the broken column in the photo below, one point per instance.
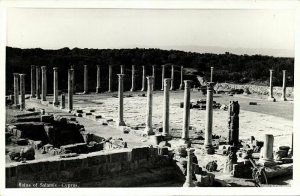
[
  {"x": 148, "y": 129},
  {"x": 186, "y": 111},
  {"x": 153, "y": 75},
  {"x": 143, "y": 79},
  {"x": 283, "y": 97},
  {"x": 133, "y": 79},
  {"x": 271, "y": 98},
  {"x": 74, "y": 86},
  {"x": 162, "y": 76},
  {"x": 22, "y": 91},
  {"x": 166, "y": 106},
  {"x": 44, "y": 83},
  {"x": 85, "y": 83},
  {"x": 55, "y": 86},
  {"x": 63, "y": 101},
  {"x": 172, "y": 78},
  {"x": 181, "y": 78},
  {"x": 122, "y": 69},
  {"x": 211, "y": 73},
  {"x": 189, "y": 169},
  {"x": 16, "y": 89},
  {"x": 120, "y": 121},
  {"x": 38, "y": 82},
  {"x": 110, "y": 78},
  {"x": 33, "y": 75},
  {"x": 70, "y": 88},
  {"x": 267, "y": 150},
  {"x": 209, "y": 119},
  {"x": 98, "y": 88}
]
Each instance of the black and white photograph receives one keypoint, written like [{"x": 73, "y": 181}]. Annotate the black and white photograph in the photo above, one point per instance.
[{"x": 190, "y": 98}]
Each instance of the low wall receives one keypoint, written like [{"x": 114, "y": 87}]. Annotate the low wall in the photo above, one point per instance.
[
  {"x": 261, "y": 90},
  {"x": 106, "y": 169}
]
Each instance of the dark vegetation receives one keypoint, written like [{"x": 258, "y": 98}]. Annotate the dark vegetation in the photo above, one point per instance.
[{"x": 228, "y": 67}]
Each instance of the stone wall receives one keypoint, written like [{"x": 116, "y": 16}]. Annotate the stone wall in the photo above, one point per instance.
[
  {"x": 261, "y": 90},
  {"x": 108, "y": 169}
]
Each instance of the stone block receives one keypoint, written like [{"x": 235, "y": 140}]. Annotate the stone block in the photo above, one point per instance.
[
  {"x": 88, "y": 113},
  {"x": 205, "y": 180},
  {"x": 280, "y": 154},
  {"x": 78, "y": 111},
  {"x": 139, "y": 153},
  {"x": 22, "y": 142},
  {"x": 252, "y": 103},
  {"x": 74, "y": 148},
  {"x": 287, "y": 160},
  {"x": 47, "y": 118},
  {"x": 286, "y": 148}
]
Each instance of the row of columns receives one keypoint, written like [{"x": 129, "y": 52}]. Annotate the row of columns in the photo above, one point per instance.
[{"x": 283, "y": 96}]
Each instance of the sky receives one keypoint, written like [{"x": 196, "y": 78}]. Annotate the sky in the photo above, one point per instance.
[{"x": 267, "y": 32}]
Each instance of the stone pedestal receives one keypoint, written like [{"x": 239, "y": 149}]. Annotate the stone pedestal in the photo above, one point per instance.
[
  {"x": 153, "y": 75},
  {"x": 38, "y": 82},
  {"x": 120, "y": 121},
  {"x": 172, "y": 78},
  {"x": 283, "y": 97},
  {"x": 110, "y": 78},
  {"x": 70, "y": 89},
  {"x": 16, "y": 89},
  {"x": 98, "y": 87},
  {"x": 148, "y": 129},
  {"x": 181, "y": 78},
  {"x": 44, "y": 83},
  {"x": 166, "y": 108},
  {"x": 209, "y": 119},
  {"x": 143, "y": 79},
  {"x": 22, "y": 91},
  {"x": 33, "y": 75},
  {"x": 133, "y": 79},
  {"x": 267, "y": 150},
  {"x": 55, "y": 86},
  {"x": 63, "y": 101},
  {"x": 211, "y": 73},
  {"x": 271, "y": 97},
  {"x": 86, "y": 79},
  {"x": 189, "y": 169},
  {"x": 162, "y": 76},
  {"x": 186, "y": 111}
]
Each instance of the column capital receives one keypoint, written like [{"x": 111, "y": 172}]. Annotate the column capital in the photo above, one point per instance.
[
  {"x": 33, "y": 66},
  {"x": 187, "y": 83},
  {"x": 271, "y": 70},
  {"x": 55, "y": 68},
  {"x": 283, "y": 70},
  {"x": 37, "y": 66},
  {"x": 22, "y": 74},
  {"x": 98, "y": 65},
  {"x": 149, "y": 77},
  {"x": 16, "y": 74},
  {"x": 43, "y": 67},
  {"x": 85, "y": 66},
  {"x": 72, "y": 66},
  {"x": 167, "y": 81}
]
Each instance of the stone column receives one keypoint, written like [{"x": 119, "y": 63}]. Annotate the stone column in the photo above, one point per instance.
[
  {"x": 283, "y": 97},
  {"x": 16, "y": 89},
  {"x": 22, "y": 91},
  {"x": 33, "y": 75},
  {"x": 98, "y": 88},
  {"x": 148, "y": 129},
  {"x": 120, "y": 121},
  {"x": 211, "y": 73},
  {"x": 143, "y": 79},
  {"x": 110, "y": 78},
  {"x": 74, "y": 85},
  {"x": 44, "y": 83},
  {"x": 189, "y": 169},
  {"x": 63, "y": 101},
  {"x": 122, "y": 69},
  {"x": 55, "y": 86},
  {"x": 85, "y": 82},
  {"x": 70, "y": 88},
  {"x": 166, "y": 107},
  {"x": 267, "y": 150},
  {"x": 153, "y": 75},
  {"x": 209, "y": 119},
  {"x": 38, "y": 82},
  {"x": 172, "y": 78},
  {"x": 271, "y": 98},
  {"x": 181, "y": 78},
  {"x": 186, "y": 111},
  {"x": 162, "y": 76},
  {"x": 133, "y": 79}
]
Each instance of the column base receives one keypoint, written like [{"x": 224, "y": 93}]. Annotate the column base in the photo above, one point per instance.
[
  {"x": 56, "y": 103},
  {"x": 32, "y": 96},
  {"x": 172, "y": 88},
  {"x": 142, "y": 89},
  {"x": 166, "y": 137},
  {"x": 85, "y": 92},
  {"x": 283, "y": 99},
  {"x": 131, "y": 90},
  {"x": 38, "y": 97},
  {"x": 209, "y": 149},
  {"x": 188, "y": 184},
  {"x": 148, "y": 131},
  {"x": 271, "y": 99},
  {"x": 180, "y": 87},
  {"x": 98, "y": 90},
  {"x": 120, "y": 123}
]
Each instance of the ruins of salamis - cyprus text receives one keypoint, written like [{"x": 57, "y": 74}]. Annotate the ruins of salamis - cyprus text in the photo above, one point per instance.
[{"x": 84, "y": 121}]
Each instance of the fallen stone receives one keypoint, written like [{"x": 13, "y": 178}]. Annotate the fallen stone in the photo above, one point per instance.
[
  {"x": 68, "y": 155},
  {"x": 92, "y": 110},
  {"x": 205, "y": 180},
  {"x": 286, "y": 148},
  {"x": 224, "y": 107},
  {"x": 211, "y": 166},
  {"x": 104, "y": 123},
  {"x": 280, "y": 154},
  {"x": 287, "y": 160},
  {"x": 22, "y": 142},
  {"x": 78, "y": 111},
  {"x": 88, "y": 113},
  {"x": 27, "y": 153},
  {"x": 47, "y": 118},
  {"x": 252, "y": 103},
  {"x": 78, "y": 114}
]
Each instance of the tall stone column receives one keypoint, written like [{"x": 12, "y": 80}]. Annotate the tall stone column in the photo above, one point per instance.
[
  {"x": 120, "y": 121},
  {"x": 172, "y": 78},
  {"x": 153, "y": 75},
  {"x": 211, "y": 73},
  {"x": 166, "y": 107},
  {"x": 209, "y": 119},
  {"x": 44, "y": 83},
  {"x": 189, "y": 169},
  {"x": 181, "y": 78},
  {"x": 283, "y": 97},
  {"x": 74, "y": 85},
  {"x": 63, "y": 101},
  {"x": 143, "y": 79},
  {"x": 162, "y": 76},
  {"x": 98, "y": 88},
  {"x": 38, "y": 82},
  {"x": 267, "y": 150},
  {"x": 148, "y": 129},
  {"x": 110, "y": 78},
  {"x": 33, "y": 75},
  {"x": 70, "y": 88},
  {"x": 55, "y": 86},
  {"x": 133, "y": 79},
  {"x": 271, "y": 97},
  {"x": 22, "y": 91},
  {"x": 186, "y": 111},
  {"x": 86, "y": 79},
  {"x": 16, "y": 89},
  {"x": 122, "y": 69}
]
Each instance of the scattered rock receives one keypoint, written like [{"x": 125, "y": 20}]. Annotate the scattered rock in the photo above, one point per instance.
[
  {"x": 252, "y": 103},
  {"x": 27, "y": 153},
  {"x": 211, "y": 166}
]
